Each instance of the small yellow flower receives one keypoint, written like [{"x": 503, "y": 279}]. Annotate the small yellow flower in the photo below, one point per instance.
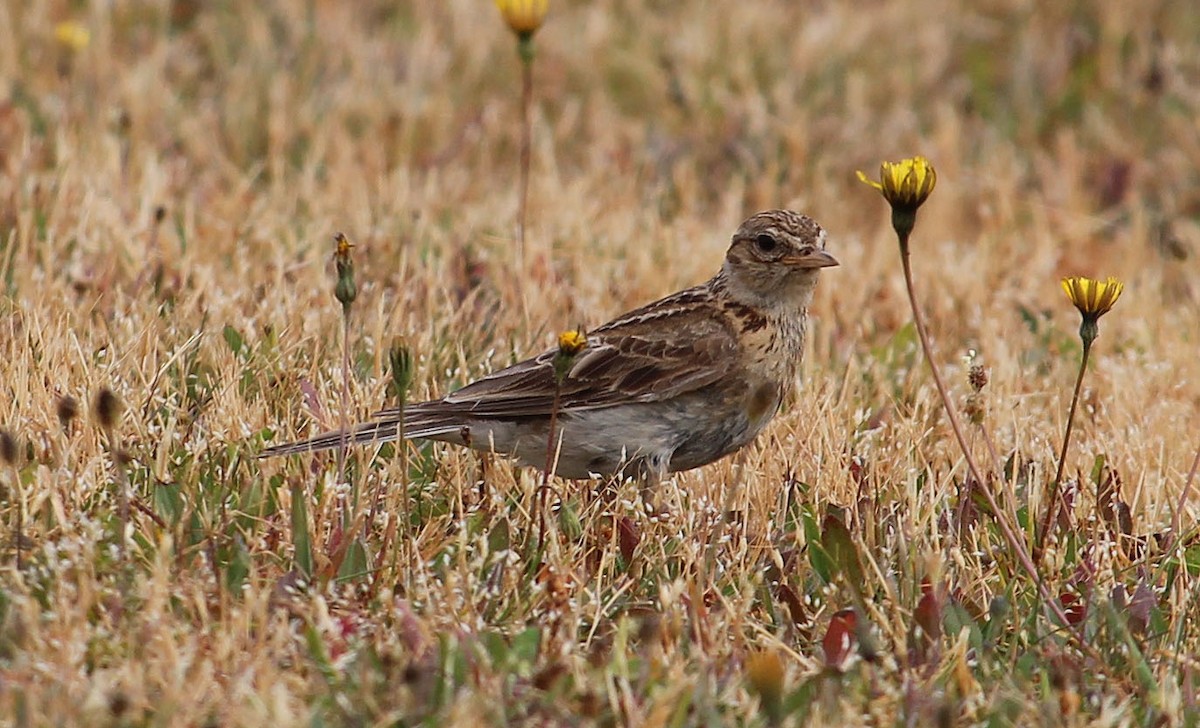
[
  {"x": 1093, "y": 298},
  {"x": 572, "y": 342},
  {"x": 73, "y": 35},
  {"x": 344, "y": 246},
  {"x": 765, "y": 674},
  {"x": 905, "y": 184},
  {"x": 523, "y": 16},
  {"x": 346, "y": 290}
]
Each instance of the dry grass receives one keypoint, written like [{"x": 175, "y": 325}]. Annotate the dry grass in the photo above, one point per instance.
[{"x": 1066, "y": 143}]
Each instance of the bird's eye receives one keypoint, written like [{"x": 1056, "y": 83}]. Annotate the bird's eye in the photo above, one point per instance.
[{"x": 765, "y": 243}]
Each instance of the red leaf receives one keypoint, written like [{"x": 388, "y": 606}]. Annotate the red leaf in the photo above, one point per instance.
[
  {"x": 1140, "y": 606},
  {"x": 313, "y": 401},
  {"x": 929, "y": 611},
  {"x": 628, "y": 538},
  {"x": 1074, "y": 607},
  {"x": 840, "y": 637},
  {"x": 795, "y": 607}
]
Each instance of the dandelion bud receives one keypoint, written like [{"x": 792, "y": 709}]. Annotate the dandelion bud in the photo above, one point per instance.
[
  {"x": 346, "y": 290},
  {"x": 402, "y": 367}
]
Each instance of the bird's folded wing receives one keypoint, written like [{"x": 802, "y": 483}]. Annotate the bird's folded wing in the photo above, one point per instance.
[{"x": 633, "y": 359}]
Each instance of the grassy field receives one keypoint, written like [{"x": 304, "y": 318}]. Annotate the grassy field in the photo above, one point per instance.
[{"x": 172, "y": 175}]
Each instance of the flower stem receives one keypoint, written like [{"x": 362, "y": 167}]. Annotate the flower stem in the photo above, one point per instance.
[
  {"x": 1014, "y": 543},
  {"x": 927, "y": 348},
  {"x": 344, "y": 426},
  {"x": 540, "y": 502},
  {"x": 526, "y": 145},
  {"x": 1052, "y": 505}
]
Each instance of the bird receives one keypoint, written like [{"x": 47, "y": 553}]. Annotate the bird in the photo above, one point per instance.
[{"x": 671, "y": 386}]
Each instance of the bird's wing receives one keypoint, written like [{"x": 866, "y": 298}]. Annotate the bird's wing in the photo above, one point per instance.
[{"x": 670, "y": 347}]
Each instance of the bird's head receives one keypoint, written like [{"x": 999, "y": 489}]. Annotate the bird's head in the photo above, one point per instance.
[{"x": 774, "y": 259}]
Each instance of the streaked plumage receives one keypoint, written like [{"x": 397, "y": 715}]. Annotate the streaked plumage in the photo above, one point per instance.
[{"x": 670, "y": 386}]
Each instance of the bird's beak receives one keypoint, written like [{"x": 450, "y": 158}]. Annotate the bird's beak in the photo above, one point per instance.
[{"x": 815, "y": 258}]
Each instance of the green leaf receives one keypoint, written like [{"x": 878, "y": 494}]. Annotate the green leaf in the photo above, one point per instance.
[
  {"x": 838, "y": 542},
  {"x": 168, "y": 503},
  {"x": 821, "y": 562},
  {"x": 238, "y": 568},
  {"x": 300, "y": 537},
  {"x": 233, "y": 339},
  {"x": 356, "y": 564},
  {"x": 525, "y": 647}
]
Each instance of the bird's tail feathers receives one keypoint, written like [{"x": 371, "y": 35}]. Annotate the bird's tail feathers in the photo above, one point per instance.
[{"x": 378, "y": 431}]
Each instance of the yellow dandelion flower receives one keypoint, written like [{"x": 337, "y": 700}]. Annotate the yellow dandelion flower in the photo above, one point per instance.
[
  {"x": 523, "y": 16},
  {"x": 1093, "y": 298},
  {"x": 572, "y": 342},
  {"x": 765, "y": 674},
  {"x": 73, "y": 35},
  {"x": 905, "y": 184}
]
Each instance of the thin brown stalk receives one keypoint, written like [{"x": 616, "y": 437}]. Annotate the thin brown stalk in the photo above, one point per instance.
[
  {"x": 526, "y": 150},
  {"x": 1015, "y": 543},
  {"x": 19, "y": 528},
  {"x": 1183, "y": 496},
  {"x": 998, "y": 467},
  {"x": 1055, "y": 486}
]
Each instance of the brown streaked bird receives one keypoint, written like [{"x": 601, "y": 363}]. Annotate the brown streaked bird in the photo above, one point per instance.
[{"x": 671, "y": 386}]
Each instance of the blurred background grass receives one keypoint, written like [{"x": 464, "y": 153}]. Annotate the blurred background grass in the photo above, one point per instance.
[{"x": 169, "y": 188}]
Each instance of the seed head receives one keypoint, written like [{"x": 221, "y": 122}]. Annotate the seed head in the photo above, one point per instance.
[
  {"x": 67, "y": 409},
  {"x": 978, "y": 377},
  {"x": 8, "y": 448},
  {"x": 106, "y": 408}
]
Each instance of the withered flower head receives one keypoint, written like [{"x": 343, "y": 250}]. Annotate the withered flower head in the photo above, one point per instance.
[
  {"x": 106, "y": 408},
  {"x": 67, "y": 410},
  {"x": 8, "y": 448}
]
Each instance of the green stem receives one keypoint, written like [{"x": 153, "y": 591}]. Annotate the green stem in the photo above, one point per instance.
[
  {"x": 1055, "y": 486},
  {"x": 344, "y": 439},
  {"x": 540, "y": 502}
]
